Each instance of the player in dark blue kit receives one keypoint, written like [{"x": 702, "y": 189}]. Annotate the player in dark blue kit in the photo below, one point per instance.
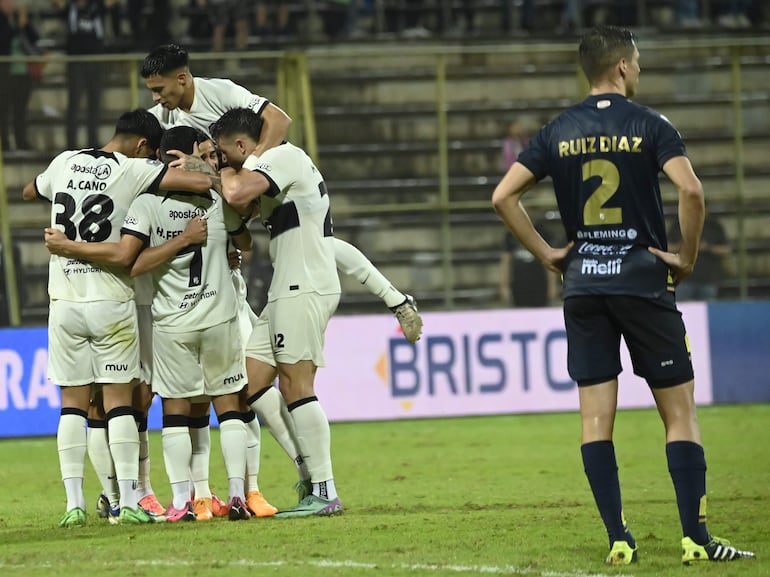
[{"x": 604, "y": 156}]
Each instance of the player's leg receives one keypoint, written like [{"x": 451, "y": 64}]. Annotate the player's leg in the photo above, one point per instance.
[
  {"x": 298, "y": 325},
  {"x": 593, "y": 360},
  {"x": 232, "y": 436},
  {"x": 70, "y": 364},
  {"x": 352, "y": 262},
  {"x": 255, "y": 501},
  {"x": 268, "y": 403},
  {"x": 142, "y": 400},
  {"x": 221, "y": 358},
  {"x": 71, "y": 443},
  {"x": 108, "y": 503},
  {"x": 177, "y": 377},
  {"x": 177, "y": 452},
  {"x": 657, "y": 342},
  {"x": 200, "y": 438},
  {"x": 117, "y": 367}
]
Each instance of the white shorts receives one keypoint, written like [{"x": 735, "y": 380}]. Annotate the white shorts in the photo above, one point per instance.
[
  {"x": 205, "y": 362},
  {"x": 297, "y": 326},
  {"x": 93, "y": 342},
  {"x": 247, "y": 320},
  {"x": 260, "y": 345},
  {"x": 144, "y": 317}
]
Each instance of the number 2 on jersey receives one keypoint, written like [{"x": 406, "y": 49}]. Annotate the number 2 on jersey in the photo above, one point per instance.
[{"x": 594, "y": 211}]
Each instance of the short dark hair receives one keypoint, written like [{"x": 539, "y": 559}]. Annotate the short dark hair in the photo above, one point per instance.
[
  {"x": 200, "y": 136},
  {"x": 237, "y": 121},
  {"x": 140, "y": 122},
  {"x": 601, "y": 48},
  {"x": 164, "y": 59},
  {"x": 182, "y": 138}
]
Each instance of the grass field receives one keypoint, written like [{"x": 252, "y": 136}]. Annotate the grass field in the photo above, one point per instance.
[{"x": 495, "y": 495}]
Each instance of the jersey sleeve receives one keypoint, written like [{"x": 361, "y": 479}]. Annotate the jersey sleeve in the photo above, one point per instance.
[
  {"x": 44, "y": 183},
  {"x": 245, "y": 99},
  {"x": 146, "y": 173},
  {"x": 138, "y": 221},
  {"x": 670, "y": 144},
  {"x": 278, "y": 165}
]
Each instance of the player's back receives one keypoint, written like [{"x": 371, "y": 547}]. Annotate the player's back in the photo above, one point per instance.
[
  {"x": 194, "y": 289},
  {"x": 604, "y": 156},
  {"x": 90, "y": 191},
  {"x": 297, "y": 213}
]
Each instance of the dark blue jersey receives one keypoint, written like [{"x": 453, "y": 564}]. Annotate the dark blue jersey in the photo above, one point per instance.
[{"x": 604, "y": 156}]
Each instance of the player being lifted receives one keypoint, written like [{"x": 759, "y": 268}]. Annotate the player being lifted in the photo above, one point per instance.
[{"x": 198, "y": 102}]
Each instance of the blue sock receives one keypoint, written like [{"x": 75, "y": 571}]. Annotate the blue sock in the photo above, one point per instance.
[
  {"x": 687, "y": 466},
  {"x": 602, "y": 471}
]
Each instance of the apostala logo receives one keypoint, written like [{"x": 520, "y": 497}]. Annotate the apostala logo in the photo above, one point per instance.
[{"x": 100, "y": 171}]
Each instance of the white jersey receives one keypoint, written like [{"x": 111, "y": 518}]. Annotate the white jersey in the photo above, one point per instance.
[
  {"x": 213, "y": 97},
  {"x": 193, "y": 290},
  {"x": 90, "y": 191},
  {"x": 297, "y": 214}
]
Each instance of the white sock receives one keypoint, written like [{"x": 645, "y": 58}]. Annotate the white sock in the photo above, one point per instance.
[
  {"x": 181, "y": 494},
  {"x": 199, "y": 464},
  {"x": 235, "y": 486},
  {"x": 271, "y": 409},
  {"x": 144, "y": 487},
  {"x": 314, "y": 438},
  {"x": 71, "y": 443},
  {"x": 253, "y": 447},
  {"x": 232, "y": 436},
  {"x": 101, "y": 459},
  {"x": 325, "y": 490},
  {"x": 124, "y": 447},
  {"x": 177, "y": 450},
  {"x": 352, "y": 262}
]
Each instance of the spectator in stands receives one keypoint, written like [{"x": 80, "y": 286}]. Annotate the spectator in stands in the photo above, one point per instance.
[
  {"x": 221, "y": 14},
  {"x": 6, "y": 17},
  {"x": 84, "y": 22},
  {"x": 275, "y": 24},
  {"x": 514, "y": 142},
  {"x": 198, "y": 24},
  {"x": 414, "y": 17},
  {"x": 686, "y": 14},
  {"x": 734, "y": 14},
  {"x": 524, "y": 282},
  {"x": 23, "y": 74},
  {"x": 703, "y": 283}
]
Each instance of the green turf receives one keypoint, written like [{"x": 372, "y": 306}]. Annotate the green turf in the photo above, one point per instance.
[{"x": 495, "y": 495}]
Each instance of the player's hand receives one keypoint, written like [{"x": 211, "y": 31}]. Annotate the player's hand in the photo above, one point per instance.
[
  {"x": 55, "y": 241},
  {"x": 190, "y": 162},
  {"x": 197, "y": 230},
  {"x": 234, "y": 259},
  {"x": 679, "y": 270},
  {"x": 555, "y": 259}
]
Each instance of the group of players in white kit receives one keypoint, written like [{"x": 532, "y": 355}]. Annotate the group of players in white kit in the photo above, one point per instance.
[{"x": 118, "y": 213}]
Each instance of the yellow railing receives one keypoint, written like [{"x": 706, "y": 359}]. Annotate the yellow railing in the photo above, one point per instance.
[{"x": 293, "y": 77}]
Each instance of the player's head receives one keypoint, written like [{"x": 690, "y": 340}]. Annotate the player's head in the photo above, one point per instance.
[
  {"x": 182, "y": 138},
  {"x": 208, "y": 151},
  {"x": 166, "y": 73},
  {"x": 236, "y": 133},
  {"x": 608, "y": 54},
  {"x": 138, "y": 134}
]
